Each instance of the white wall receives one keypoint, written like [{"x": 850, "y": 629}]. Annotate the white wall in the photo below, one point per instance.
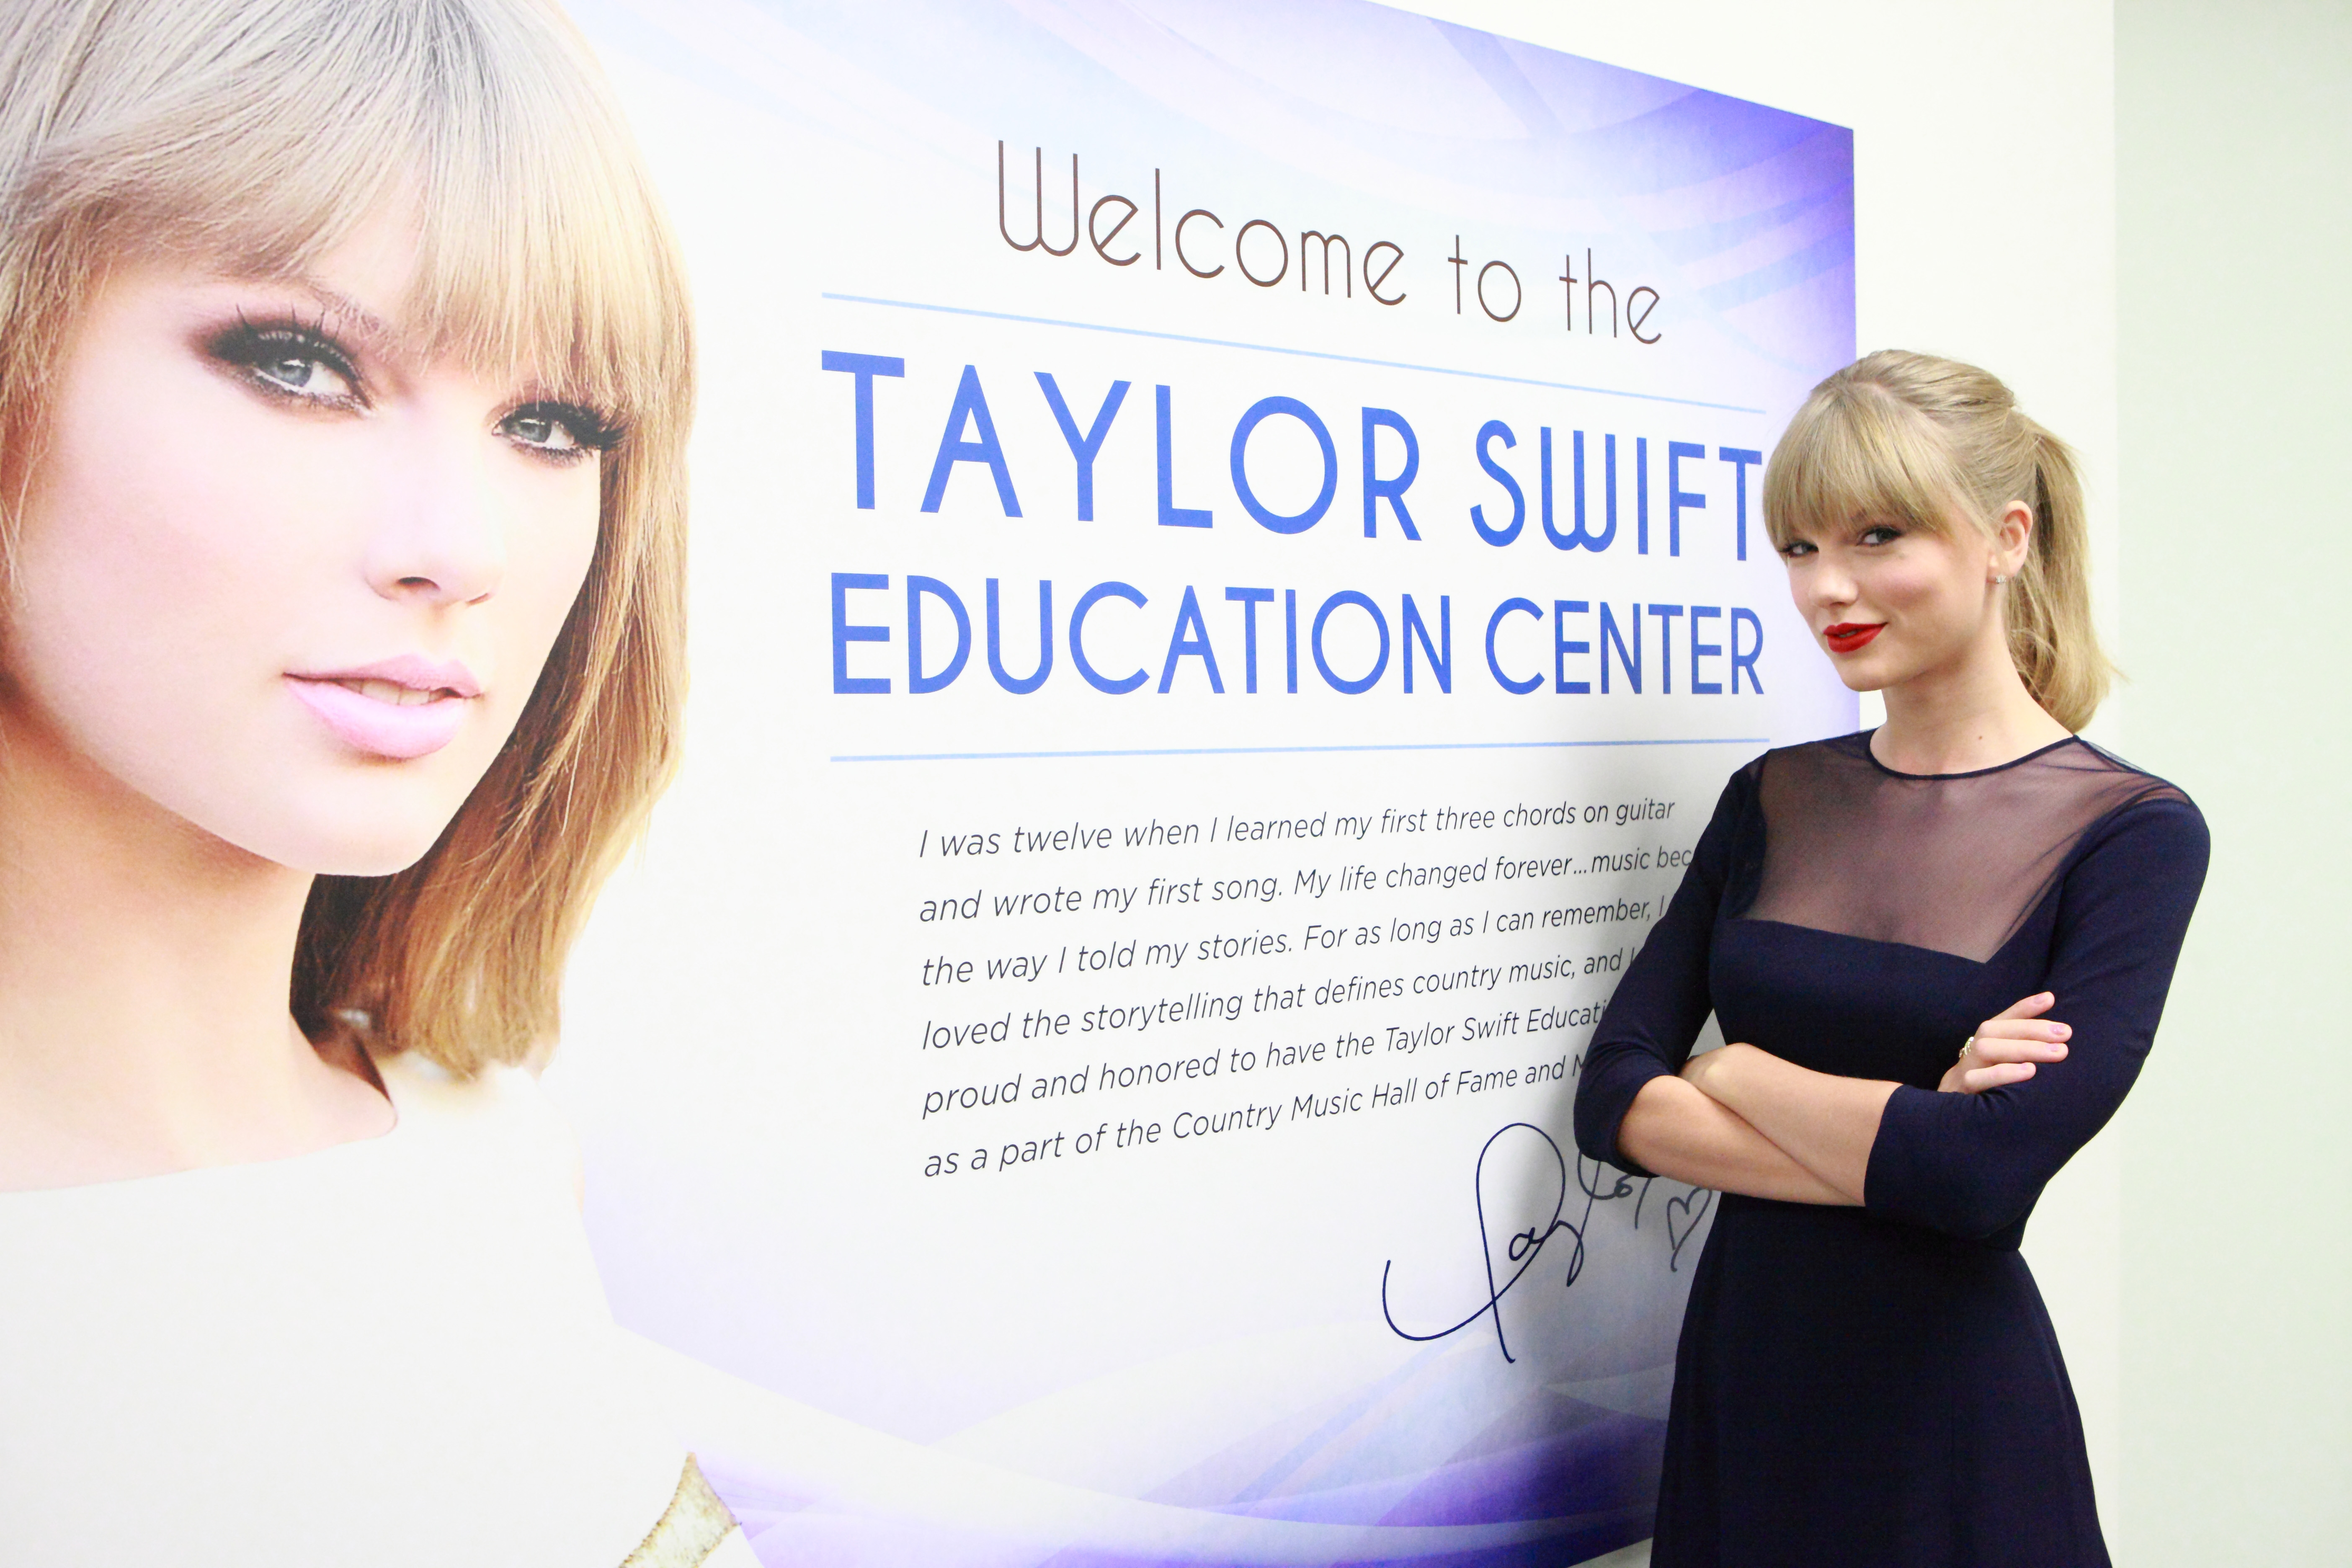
[
  {"x": 2236, "y": 134},
  {"x": 1984, "y": 152},
  {"x": 2198, "y": 1259}
]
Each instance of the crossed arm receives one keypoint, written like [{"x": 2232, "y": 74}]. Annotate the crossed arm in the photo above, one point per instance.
[
  {"x": 1964, "y": 1160},
  {"x": 1740, "y": 1119}
]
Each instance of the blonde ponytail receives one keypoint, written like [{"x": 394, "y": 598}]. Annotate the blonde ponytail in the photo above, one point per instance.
[
  {"x": 1911, "y": 438},
  {"x": 2050, "y": 636}
]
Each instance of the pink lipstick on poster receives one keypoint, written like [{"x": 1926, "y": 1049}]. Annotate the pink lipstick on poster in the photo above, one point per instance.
[
  {"x": 1851, "y": 636},
  {"x": 398, "y": 709}
]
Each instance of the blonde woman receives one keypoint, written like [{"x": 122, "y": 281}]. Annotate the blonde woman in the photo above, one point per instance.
[
  {"x": 1940, "y": 948},
  {"x": 344, "y": 377}
]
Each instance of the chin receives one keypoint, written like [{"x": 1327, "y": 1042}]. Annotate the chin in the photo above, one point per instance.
[
  {"x": 332, "y": 815},
  {"x": 386, "y": 857},
  {"x": 333, "y": 844},
  {"x": 1873, "y": 670},
  {"x": 339, "y": 826}
]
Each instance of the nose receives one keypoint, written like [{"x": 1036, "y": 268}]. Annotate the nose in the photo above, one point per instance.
[
  {"x": 441, "y": 539},
  {"x": 1825, "y": 582}
]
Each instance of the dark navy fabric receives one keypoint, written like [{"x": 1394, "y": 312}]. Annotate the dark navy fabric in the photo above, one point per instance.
[{"x": 1880, "y": 1386}]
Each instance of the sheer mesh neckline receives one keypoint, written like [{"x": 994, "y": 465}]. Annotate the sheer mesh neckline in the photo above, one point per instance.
[
  {"x": 1950, "y": 862},
  {"x": 1867, "y": 735}
]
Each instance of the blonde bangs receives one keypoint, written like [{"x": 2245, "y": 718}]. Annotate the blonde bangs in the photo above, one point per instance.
[
  {"x": 1852, "y": 455},
  {"x": 256, "y": 136},
  {"x": 543, "y": 245}
]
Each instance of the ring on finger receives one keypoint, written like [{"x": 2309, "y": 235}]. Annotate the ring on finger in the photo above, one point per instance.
[{"x": 1969, "y": 1046}]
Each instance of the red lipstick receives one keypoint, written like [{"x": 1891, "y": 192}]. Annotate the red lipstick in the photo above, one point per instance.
[{"x": 1851, "y": 636}]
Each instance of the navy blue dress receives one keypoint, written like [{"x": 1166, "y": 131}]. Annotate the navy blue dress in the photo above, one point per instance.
[{"x": 1880, "y": 1386}]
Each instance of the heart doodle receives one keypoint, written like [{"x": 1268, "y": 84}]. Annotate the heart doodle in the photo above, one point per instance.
[{"x": 1690, "y": 1209}]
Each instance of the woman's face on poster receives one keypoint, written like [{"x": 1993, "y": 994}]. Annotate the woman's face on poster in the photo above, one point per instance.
[{"x": 279, "y": 573}]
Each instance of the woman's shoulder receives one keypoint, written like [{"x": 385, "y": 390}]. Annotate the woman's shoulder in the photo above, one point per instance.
[
  {"x": 2141, "y": 813},
  {"x": 2132, "y": 784}
]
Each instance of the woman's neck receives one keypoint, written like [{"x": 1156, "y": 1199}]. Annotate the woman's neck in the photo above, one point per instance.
[
  {"x": 1972, "y": 713},
  {"x": 145, "y": 975}
]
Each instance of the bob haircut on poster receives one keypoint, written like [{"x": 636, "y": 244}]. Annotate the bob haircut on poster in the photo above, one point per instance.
[{"x": 252, "y": 135}]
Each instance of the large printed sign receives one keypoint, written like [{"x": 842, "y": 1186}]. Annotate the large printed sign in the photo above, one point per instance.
[{"x": 1228, "y": 573}]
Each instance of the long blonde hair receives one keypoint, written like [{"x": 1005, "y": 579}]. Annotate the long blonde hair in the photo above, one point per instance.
[
  {"x": 253, "y": 135},
  {"x": 1913, "y": 439}
]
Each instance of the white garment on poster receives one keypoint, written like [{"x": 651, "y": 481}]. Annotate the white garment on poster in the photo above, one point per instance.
[{"x": 267, "y": 1358}]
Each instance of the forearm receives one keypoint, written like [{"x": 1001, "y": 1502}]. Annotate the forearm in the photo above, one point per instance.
[
  {"x": 1676, "y": 1130},
  {"x": 1826, "y": 1123}
]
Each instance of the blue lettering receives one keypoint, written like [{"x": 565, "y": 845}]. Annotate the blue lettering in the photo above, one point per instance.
[
  {"x": 969, "y": 409},
  {"x": 1088, "y": 601},
  {"x": 1022, "y": 686},
  {"x": 1274, "y": 522},
  {"x": 1488, "y": 434},
  {"x": 1193, "y": 641},
  {"x": 865, "y": 368},
  {"x": 1379, "y": 622},
  {"x": 917, "y": 590},
  {"x": 1084, "y": 448},
  {"x": 1493, "y": 622},
  {"x": 1699, "y": 650},
  {"x": 1678, "y": 499},
  {"x": 844, "y": 634},
  {"x": 1392, "y": 489},
  {"x": 1561, "y": 647},
  {"x": 1249, "y": 599},
  {"x": 1164, "y": 433}
]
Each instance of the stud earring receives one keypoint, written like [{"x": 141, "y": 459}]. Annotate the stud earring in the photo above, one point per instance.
[{"x": 1998, "y": 579}]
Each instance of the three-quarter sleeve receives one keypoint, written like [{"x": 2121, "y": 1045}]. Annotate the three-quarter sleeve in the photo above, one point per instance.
[
  {"x": 1664, "y": 1001},
  {"x": 1973, "y": 1164}
]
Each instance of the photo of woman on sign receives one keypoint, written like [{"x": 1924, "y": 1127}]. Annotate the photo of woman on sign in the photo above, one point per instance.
[{"x": 345, "y": 371}]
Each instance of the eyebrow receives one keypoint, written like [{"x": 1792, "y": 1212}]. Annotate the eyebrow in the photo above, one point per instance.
[
  {"x": 345, "y": 308},
  {"x": 382, "y": 335}
]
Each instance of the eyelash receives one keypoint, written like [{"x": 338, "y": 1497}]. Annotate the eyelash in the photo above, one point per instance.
[
  {"x": 590, "y": 431},
  {"x": 1796, "y": 549},
  {"x": 252, "y": 348}
]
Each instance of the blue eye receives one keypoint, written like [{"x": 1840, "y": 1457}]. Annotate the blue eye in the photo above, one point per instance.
[
  {"x": 561, "y": 431},
  {"x": 1881, "y": 534},
  {"x": 292, "y": 373},
  {"x": 291, "y": 359}
]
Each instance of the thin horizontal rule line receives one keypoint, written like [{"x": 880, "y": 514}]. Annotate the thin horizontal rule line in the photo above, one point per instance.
[
  {"x": 1280, "y": 751},
  {"x": 1281, "y": 349}
]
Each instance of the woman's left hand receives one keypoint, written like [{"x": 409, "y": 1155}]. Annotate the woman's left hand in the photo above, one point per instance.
[{"x": 2005, "y": 1048}]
